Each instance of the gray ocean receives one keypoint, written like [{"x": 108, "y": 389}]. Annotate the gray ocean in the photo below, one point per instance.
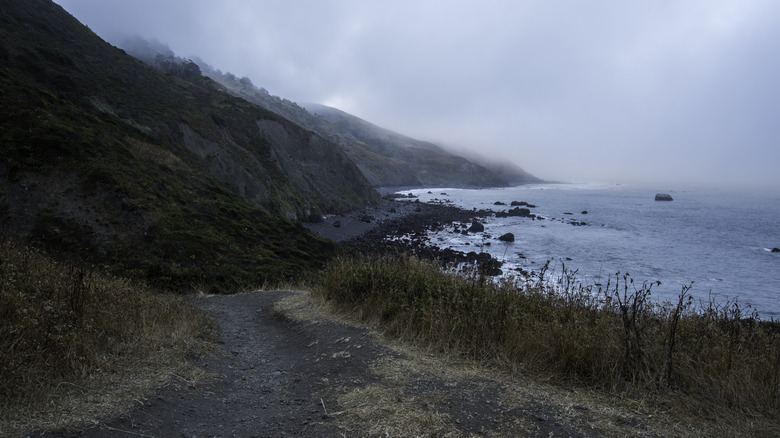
[{"x": 719, "y": 240}]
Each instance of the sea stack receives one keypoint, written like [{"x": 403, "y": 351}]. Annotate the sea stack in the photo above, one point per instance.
[{"x": 663, "y": 197}]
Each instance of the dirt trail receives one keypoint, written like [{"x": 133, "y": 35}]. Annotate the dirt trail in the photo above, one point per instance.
[{"x": 275, "y": 377}]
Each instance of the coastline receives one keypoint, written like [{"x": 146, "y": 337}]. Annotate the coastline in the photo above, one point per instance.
[{"x": 397, "y": 226}]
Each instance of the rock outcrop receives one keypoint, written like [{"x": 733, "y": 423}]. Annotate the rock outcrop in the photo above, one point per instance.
[
  {"x": 476, "y": 227},
  {"x": 508, "y": 237}
]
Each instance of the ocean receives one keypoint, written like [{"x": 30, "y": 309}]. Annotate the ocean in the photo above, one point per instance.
[{"x": 721, "y": 241}]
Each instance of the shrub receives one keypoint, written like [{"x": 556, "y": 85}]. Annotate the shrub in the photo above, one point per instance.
[{"x": 610, "y": 337}]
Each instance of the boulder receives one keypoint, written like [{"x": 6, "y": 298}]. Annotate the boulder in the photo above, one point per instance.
[
  {"x": 663, "y": 197},
  {"x": 584, "y": 212},
  {"x": 508, "y": 237},
  {"x": 775, "y": 249},
  {"x": 519, "y": 212},
  {"x": 498, "y": 203},
  {"x": 476, "y": 227}
]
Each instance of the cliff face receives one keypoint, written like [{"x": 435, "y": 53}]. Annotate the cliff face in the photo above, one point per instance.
[
  {"x": 386, "y": 158},
  {"x": 163, "y": 175},
  {"x": 429, "y": 163}
]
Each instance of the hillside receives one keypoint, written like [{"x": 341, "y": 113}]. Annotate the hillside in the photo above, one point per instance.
[
  {"x": 386, "y": 158},
  {"x": 165, "y": 177},
  {"x": 431, "y": 164}
]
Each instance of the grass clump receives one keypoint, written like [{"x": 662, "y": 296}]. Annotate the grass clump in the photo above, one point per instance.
[
  {"x": 717, "y": 358},
  {"x": 64, "y": 326}
]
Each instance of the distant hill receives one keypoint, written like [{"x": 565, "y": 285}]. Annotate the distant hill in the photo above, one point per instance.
[
  {"x": 158, "y": 175},
  {"x": 430, "y": 164},
  {"x": 386, "y": 158}
]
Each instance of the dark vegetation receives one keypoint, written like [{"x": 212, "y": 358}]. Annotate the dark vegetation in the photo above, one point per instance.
[
  {"x": 157, "y": 176},
  {"x": 60, "y": 323},
  {"x": 715, "y": 359}
]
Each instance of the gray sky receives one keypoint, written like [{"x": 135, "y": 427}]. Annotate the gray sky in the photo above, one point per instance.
[{"x": 662, "y": 91}]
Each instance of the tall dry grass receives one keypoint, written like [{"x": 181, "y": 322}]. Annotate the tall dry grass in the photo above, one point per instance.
[
  {"x": 60, "y": 324},
  {"x": 718, "y": 356}
]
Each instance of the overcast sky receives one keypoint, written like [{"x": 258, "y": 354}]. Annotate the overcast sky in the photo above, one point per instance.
[{"x": 662, "y": 91}]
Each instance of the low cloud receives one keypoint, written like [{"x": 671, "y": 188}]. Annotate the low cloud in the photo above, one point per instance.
[{"x": 663, "y": 91}]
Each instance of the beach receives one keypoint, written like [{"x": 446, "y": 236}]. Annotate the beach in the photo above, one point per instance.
[{"x": 400, "y": 225}]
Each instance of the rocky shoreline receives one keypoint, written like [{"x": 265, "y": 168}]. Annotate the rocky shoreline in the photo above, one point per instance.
[
  {"x": 400, "y": 226},
  {"x": 400, "y": 223}
]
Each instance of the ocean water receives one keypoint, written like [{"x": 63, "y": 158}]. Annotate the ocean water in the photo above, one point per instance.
[{"x": 718, "y": 240}]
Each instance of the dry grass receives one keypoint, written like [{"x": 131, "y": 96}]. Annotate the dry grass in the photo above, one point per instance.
[
  {"x": 77, "y": 346},
  {"x": 673, "y": 365},
  {"x": 378, "y": 410}
]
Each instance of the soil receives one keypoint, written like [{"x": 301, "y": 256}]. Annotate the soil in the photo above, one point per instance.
[
  {"x": 268, "y": 377},
  {"x": 275, "y": 376}
]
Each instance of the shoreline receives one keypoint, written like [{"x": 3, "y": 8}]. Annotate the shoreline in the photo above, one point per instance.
[{"x": 400, "y": 227}]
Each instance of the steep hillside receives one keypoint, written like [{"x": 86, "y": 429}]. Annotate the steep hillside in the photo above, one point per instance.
[
  {"x": 387, "y": 159},
  {"x": 162, "y": 176},
  {"x": 380, "y": 169},
  {"x": 433, "y": 165}
]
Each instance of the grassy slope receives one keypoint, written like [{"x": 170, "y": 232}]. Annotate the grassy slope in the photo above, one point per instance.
[
  {"x": 719, "y": 365},
  {"x": 92, "y": 163},
  {"x": 80, "y": 341}
]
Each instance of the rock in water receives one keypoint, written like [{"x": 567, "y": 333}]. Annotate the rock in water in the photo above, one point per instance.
[
  {"x": 663, "y": 197},
  {"x": 476, "y": 227},
  {"x": 775, "y": 249},
  {"x": 508, "y": 237},
  {"x": 519, "y": 212}
]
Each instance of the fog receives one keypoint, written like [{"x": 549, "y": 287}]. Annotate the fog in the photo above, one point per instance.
[{"x": 668, "y": 92}]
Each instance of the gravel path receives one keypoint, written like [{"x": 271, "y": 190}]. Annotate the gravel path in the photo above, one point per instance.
[{"x": 276, "y": 377}]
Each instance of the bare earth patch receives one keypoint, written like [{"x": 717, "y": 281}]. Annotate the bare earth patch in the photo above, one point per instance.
[{"x": 286, "y": 365}]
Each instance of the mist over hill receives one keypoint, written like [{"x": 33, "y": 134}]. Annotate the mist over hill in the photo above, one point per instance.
[
  {"x": 386, "y": 158},
  {"x": 432, "y": 165}
]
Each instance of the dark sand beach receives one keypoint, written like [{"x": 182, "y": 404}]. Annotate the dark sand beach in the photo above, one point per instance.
[{"x": 399, "y": 225}]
